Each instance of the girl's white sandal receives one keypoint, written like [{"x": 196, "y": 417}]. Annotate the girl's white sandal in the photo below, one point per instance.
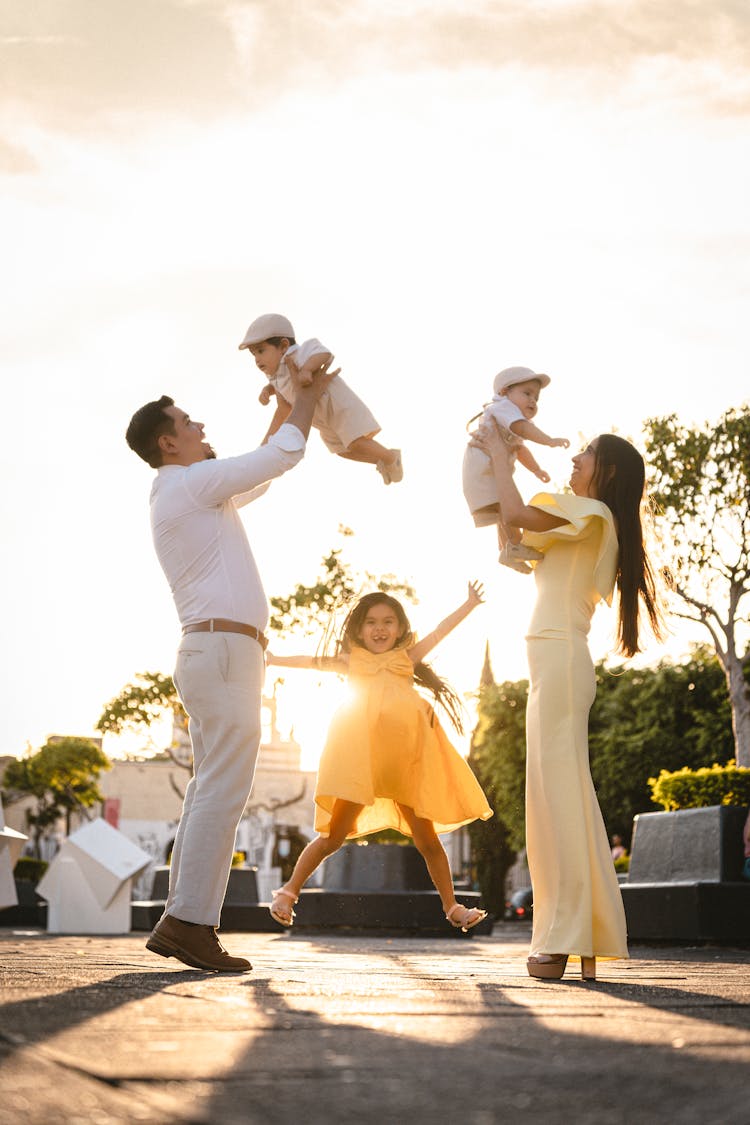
[
  {"x": 472, "y": 916},
  {"x": 286, "y": 919}
]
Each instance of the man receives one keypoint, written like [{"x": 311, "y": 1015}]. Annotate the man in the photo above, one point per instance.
[{"x": 203, "y": 549}]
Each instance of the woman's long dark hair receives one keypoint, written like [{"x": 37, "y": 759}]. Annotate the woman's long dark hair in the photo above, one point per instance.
[
  {"x": 619, "y": 482},
  {"x": 444, "y": 694}
]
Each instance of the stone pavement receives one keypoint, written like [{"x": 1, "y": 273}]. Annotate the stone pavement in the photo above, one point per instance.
[{"x": 333, "y": 1029}]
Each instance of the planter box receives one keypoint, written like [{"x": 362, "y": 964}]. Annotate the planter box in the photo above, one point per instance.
[
  {"x": 241, "y": 910},
  {"x": 30, "y": 911},
  {"x": 376, "y": 867},
  {"x": 379, "y": 889},
  {"x": 685, "y": 880}
]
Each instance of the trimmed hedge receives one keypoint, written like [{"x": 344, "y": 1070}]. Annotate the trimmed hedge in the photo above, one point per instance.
[
  {"x": 29, "y": 870},
  {"x": 696, "y": 789}
]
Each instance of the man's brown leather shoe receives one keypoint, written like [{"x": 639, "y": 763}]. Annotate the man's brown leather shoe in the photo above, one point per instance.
[{"x": 198, "y": 946}]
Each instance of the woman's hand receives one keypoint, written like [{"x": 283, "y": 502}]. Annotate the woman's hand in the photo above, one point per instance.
[
  {"x": 495, "y": 440},
  {"x": 476, "y": 594}
]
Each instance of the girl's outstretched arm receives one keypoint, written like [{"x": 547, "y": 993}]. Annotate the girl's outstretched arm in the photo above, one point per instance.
[
  {"x": 475, "y": 597},
  {"x": 319, "y": 663}
]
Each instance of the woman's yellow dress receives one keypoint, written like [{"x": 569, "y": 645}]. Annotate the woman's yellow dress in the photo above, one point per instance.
[
  {"x": 385, "y": 748},
  {"x": 577, "y": 902}
]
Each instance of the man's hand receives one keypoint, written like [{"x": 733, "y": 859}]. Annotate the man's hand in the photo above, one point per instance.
[
  {"x": 309, "y": 367},
  {"x": 318, "y": 378},
  {"x": 306, "y": 398}
]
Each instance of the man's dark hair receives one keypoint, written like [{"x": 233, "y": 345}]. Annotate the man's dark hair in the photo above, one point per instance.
[{"x": 146, "y": 427}]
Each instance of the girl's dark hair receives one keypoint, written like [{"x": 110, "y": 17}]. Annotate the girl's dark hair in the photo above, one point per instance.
[
  {"x": 444, "y": 694},
  {"x": 275, "y": 341},
  {"x": 146, "y": 427},
  {"x": 619, "y": 482}
]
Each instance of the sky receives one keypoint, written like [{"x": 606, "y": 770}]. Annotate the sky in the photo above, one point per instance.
[{"x": 437, "y": 191}]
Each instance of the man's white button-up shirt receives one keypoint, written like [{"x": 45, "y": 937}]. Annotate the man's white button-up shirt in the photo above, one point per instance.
[{"x": 199, "y": 537}]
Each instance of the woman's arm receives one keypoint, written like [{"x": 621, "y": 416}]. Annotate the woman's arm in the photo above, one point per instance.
[
  {"x": 475, "y": 598},
  {"x": 320, "y": 663},
  {"x": 515, "y": 512}
]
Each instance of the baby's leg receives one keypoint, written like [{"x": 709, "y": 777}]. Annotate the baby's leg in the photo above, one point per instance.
[
  {"x": 507, "y": 534},
  {"x": 512, "y": 551},
  {"x": 343, "y": 818},
  {"x": 370, "y": 451},
  {"x": 387, "y": 461}
]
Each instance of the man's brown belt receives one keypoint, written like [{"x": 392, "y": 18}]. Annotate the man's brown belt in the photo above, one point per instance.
[{"x": 221, "y": 625}]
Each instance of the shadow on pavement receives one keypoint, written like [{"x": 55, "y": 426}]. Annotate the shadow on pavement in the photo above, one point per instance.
[{"x": 549, "y": 1062}]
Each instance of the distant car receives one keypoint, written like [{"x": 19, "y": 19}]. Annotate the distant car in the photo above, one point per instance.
[{"x": 520, "y": 906}]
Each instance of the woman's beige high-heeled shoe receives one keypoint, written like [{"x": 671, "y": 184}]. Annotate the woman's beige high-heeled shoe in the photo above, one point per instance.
[
  {"x": 588, "y": 968},
  {"x": 547, "y": 966},
  {"x": 551, "y": 966}
]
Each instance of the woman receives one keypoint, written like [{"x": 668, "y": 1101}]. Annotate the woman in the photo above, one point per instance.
[{"x": 592, "y": 541}]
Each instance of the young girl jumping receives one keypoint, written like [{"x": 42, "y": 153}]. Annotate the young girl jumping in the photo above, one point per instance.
[{"x": 387, "y": 762}]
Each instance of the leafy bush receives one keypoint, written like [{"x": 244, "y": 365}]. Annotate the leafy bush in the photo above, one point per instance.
[
  {"x": 29, "y": 870},
  {"x": 696, "y": 789}
]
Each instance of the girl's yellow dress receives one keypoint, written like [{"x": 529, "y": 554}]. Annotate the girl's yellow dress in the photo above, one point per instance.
[
  {"x": 577, "y": 902},
  {"x": 385, "y": 747}
]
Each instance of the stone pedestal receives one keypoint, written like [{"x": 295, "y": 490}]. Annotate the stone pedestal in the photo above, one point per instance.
[
  {"x": 376, "y": 868},
  {"x": 685, "y": 880},
  {"x": 380, "y": 889},
  {"x": 374, "y": 888},
  {"x": 241, "y": 911},
  {"x": 30, "y": 909}
]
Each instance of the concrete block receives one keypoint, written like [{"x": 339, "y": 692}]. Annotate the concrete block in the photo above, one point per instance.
[
  {"x": 375, "y": 868},
  {"x": 691, "y": 845}
]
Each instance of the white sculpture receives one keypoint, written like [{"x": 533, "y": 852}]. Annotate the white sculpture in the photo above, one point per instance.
[
  {"x": 11, "y": 843},
  {"x": 87, "y": 885}
]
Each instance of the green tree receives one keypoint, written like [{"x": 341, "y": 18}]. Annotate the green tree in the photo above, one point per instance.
[
  {"x": 148, "y": 699},
  {"x": 648, "y": 719},
  {"x": 498, "y": 753},
  {"x": 498, "y": 758},
  {"x": 642, "y": 721},
  {"x": 701, "y": 484},
  {"x": 312, "y": 609},
  {"x": 61, "y": 777},
  {"x": 152, "y": 695}
]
